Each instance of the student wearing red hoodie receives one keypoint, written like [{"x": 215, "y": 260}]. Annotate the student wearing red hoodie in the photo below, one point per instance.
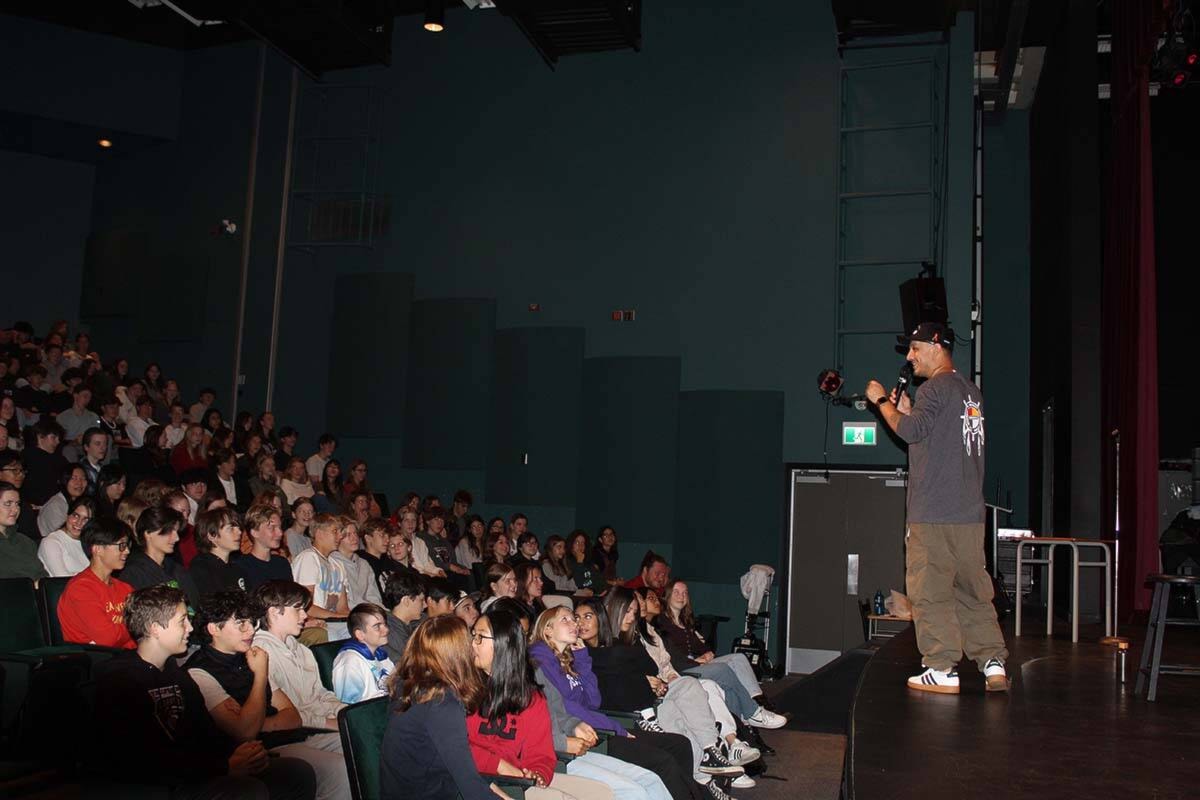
[
  {"x": 92, "y": 607},
  {"x": 510, "y": 733}
]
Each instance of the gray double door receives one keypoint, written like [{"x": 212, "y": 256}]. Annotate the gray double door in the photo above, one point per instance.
[{"x": 847, "y": 541}]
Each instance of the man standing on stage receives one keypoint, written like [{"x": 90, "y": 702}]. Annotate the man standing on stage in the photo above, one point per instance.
[{"x": 947, "y": 579}]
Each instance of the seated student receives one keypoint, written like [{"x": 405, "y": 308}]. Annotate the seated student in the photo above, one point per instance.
[
  {"x": 232, "y": 674},
  {"x": 218, "y": 536},
  {"x": 555, "y": 567},
  {"x": 691, "y": 655},
  {"x": 529, "y": 590},
  {"x": 437, "y": 542},
  {"x": 11, "y": 470},
  {"x": 147, "y": 704},
  {"x": 18, "y": 553},
  {"x": 654, "y": 574},
  {"x": 584, "y": 574},
  {"x": 61, "y": 551},
  {"x": 422, "y": 562},
  {"x": 510, "y": 733},
  {"x": 440, "y": 597},
  {"x": 499, "y": 580},
  {"x": 360, "y": 577},
  {"x": 92, "y": 607},
  {"x": 297, "y": 536},
  {"x": 373, "y": 543},
  {"x": 362, "y": 666},
  {"x": 264, "y": 528},
  {"x": 425, "y": 751},
  {"x": 469, "y": 550},
  {"x": 605, "y": 554},
  {"x": 223, "y": 478},
  {"x": 43, "y": 462},
  {"x": 398, "y": 559},
  {"x": 467, "y": 608},
  {"x": 282, "y": 608},
  {"x": 151, "y": 562},
  {"x": 72, "y": 484},
  {"x": 325, "y": 581},
  {"x": 527, "y": 551},
  {"x": 405, "y": 596}
]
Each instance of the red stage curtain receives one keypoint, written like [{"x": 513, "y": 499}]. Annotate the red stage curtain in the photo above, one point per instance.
[{"x": 1131, "y": 327}]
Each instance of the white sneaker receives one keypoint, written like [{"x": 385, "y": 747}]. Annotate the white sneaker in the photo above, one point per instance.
[
  {"x": 739, "y": 753},
  {"x": 995, "y": 675},
  {"x": 744, "y": 782},
  {"x": 935, "y": 680},
  {"x": 766, "y": 719}
]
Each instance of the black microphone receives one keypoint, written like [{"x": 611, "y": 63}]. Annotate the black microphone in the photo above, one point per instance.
[{"x": 906, "y": 373}]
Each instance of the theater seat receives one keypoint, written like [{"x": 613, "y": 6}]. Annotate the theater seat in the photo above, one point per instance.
[
  {"x": 361, "y": 727},
  {"x": 42, "y": 680},
  {"x": 325, "y": 653},
  {"x": 50, "y": 591}
]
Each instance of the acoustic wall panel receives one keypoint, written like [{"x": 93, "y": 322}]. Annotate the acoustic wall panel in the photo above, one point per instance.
[
  {"x": 533, "y": 457},
  {"x": 368, "y": 354},
  {"x": 730, "y": 493},
  {"x": 628, "y": 444},
  {"x": 447, "y": 411}
]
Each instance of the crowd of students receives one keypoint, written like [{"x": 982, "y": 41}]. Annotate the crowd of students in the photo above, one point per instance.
[{"x": 215, "y": 557}]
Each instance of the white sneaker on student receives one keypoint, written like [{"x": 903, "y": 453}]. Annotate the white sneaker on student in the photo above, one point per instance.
[
  {"x": 766, "y": 719},
  {"x": 743, "y": 782},
  {"x": 739, "y": 753},
  {"x": 935, "y": 680}
]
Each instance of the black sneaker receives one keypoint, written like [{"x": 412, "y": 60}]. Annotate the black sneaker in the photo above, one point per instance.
[
  {"x": 715, "y": 763},
  {"x": 714, "y": 790},
  {"x": 650, "y": 724}
]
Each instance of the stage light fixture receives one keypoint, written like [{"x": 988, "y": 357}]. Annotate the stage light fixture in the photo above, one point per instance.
[
  {"x": 435, "y": 16},
  {"x": 1179, "y": 78},
  {"x": 105, "y": 143},
  {"x": 829, "y": 382},
  {"x": 1192, "y": 58}
]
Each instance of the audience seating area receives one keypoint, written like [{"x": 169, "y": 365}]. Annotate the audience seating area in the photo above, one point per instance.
[{"x": 115, "y": 469}]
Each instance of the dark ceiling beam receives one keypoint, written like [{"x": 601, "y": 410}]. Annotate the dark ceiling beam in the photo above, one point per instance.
[{"x": 1006, "y": 61}]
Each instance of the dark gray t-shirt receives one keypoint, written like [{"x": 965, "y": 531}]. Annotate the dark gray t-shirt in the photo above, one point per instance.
[{"x": 945, "y": 451}]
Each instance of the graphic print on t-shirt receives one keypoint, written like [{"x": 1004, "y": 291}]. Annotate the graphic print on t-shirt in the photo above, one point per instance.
[
  {"x": 168, "y": 708},
  {"x": 972, "y": 424}
]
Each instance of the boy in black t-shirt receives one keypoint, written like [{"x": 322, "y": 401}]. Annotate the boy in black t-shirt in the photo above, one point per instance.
[
  {"x": 265, "y": 529},
  {"x": 147, "y": 704}
]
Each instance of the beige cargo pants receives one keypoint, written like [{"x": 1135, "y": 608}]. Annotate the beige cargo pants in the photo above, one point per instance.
[{"x": 951, "y": 595}]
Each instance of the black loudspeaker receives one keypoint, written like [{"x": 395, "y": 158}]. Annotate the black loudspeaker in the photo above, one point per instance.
[{"x": 923, "y": 300}]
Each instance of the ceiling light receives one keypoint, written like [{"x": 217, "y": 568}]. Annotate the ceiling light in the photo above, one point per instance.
[
  {"x": 105, "y": 143},
  {"x": 435, "y": 16}
]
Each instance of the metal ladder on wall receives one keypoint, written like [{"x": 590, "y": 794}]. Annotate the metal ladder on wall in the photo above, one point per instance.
[
  {"x": 852, "y": 144},
  {"x": 334, "y": 195}
]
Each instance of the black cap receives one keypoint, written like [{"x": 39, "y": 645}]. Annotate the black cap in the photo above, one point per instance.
[{"x": 932, "y": 332}]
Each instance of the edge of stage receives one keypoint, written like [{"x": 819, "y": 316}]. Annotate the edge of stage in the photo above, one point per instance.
[{"x": 1066, "y": 727}]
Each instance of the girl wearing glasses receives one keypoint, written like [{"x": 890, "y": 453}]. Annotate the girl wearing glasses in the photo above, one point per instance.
[{"x": 436, "y": 684}]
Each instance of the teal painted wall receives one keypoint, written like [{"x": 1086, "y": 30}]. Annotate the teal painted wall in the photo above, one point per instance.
[{"x": 1006, "y": 287}]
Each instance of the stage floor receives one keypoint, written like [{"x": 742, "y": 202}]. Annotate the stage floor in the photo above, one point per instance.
[{"x": 1067, "y": 728}]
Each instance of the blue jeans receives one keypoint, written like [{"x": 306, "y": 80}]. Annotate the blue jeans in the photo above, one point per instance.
[
  {"x": 627, "y": 781},
  {"x": 736, "y": 697}
]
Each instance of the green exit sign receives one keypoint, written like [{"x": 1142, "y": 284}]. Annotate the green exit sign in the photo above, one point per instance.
[{"x": 858, "y": 434}]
